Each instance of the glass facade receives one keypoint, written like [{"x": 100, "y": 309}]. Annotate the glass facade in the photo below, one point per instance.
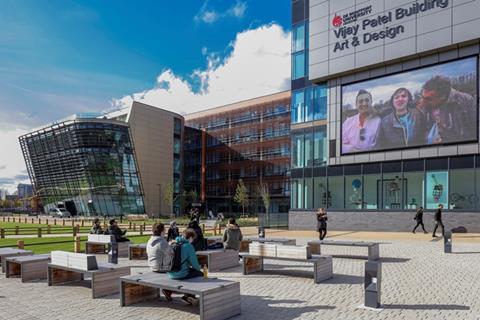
[
  {"x": 88, "y": 166},
  {"x": 386, "y": 189},
  {"x": 309, "y": 104}
]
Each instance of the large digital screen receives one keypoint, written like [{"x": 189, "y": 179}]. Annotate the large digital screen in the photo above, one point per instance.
[{"x": 433, "y": 105}]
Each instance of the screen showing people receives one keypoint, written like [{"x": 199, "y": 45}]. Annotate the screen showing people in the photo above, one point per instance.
[{"x": 427, "y": 106}]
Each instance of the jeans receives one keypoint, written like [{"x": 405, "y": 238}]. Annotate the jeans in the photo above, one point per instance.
[
  {"x": 419, "y": 223},
  {"x": 439, "y": 223}
]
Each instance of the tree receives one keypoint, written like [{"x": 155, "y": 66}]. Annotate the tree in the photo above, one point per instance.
[
  {"x": 241, "y": 195},
  {"x": 168, "y": 195},
  {"x": 265, "y": 195}
]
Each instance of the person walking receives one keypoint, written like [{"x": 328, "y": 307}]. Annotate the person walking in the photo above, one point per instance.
[
  {"x": 419, "y": 219},
  {"x": 322, "y": 223},
  {"x": 438, "y": 221}
]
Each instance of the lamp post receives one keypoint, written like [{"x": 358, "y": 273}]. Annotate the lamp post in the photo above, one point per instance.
[{"x": 159, "y": 199}]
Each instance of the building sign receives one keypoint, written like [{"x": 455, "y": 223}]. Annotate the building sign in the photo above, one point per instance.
[{"x": 352, "y": 30}]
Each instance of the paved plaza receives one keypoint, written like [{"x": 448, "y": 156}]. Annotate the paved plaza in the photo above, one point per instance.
[{"x": 419, "y": 282}]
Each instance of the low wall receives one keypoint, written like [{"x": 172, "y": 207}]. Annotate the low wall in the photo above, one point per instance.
[{"x": 382, "y": 221}]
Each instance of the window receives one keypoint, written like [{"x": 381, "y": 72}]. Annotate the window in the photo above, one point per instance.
[
  {"x": 298, "y": 103},
  {"x": 297, "y": 194},
  {"x": 371, "y": 193},
  {"x": 308, "y": 194},
  {"x": 298, "y": 65},
  {"x": 309, "y": 104},
  {"x": 320, "y": 102},
  {"x": 462, "y": 189},
  {"x": 335, "y": 189},
  {"x": 437, "y": 189},
  {"x": 319, "y": 148},
  {"x": 298, "y": 38},
  {"x": 353, "y": 192},
  {"x": 308, "y": 150},
  {"x": 297, "y": 150},
  {"x": 392, "y": 191},
  {"x": 321, "y": 198},
  {"x": 414, "y": 188}
]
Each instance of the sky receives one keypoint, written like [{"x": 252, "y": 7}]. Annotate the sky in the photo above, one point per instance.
[{"x": 60, "y": 57}]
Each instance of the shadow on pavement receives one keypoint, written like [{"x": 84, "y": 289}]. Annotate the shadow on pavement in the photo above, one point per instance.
[{"x": 425, "y": 306}]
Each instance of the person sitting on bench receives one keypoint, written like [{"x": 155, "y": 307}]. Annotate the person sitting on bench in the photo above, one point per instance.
[
  {"x": 159, "y": 257},
  {"x": 96, "y": 228},
  {"x": 114, "y": 230},
  {"x": 190, "y": 268},
  {"x": 232, "y": 236},
  {"x": 199, "y": 243},
  {"x": 173, "y": 232}
]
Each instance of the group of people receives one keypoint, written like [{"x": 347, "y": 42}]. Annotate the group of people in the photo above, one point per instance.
[
  {"x": 437, "y": 218},
  {"x": 440, "y": 115},
  {"x": 112, "y": 229},
  {"x": 161, "y": 251}
]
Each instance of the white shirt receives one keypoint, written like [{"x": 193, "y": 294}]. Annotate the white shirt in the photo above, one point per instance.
[{"x": 351, "y": 141}]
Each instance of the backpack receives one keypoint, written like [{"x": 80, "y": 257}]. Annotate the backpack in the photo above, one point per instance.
[{"x": 176, "y": 257}]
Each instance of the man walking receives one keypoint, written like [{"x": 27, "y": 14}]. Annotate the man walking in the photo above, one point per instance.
[
  {"x": 438, "y": 221},
  {"x": 419, "y": 219}
]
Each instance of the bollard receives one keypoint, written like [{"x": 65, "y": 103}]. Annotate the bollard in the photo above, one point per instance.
[
  {"x": 39, "y": 232},
  {"x": 3, "y": 218},
  {"x": 46, "y": 221},
  {"x": 130, "y": 225},
  {"x": 74, "y": 230},
  {"x": 447, "y": 242},
  {"x": 113, "y": 253},
  {"x": 8, "y": 219},
  {"x": 49, "y": 229},
  {"x": 20, "y": 244},
  {"x": 54, "y": 222},
  {"x": 78, "y": 229},
  {"x": 63, "y": 221},
  {"x": 76, "y": 246},
  {"x": 39, "y": 221},
  {"x": 373, "y": 282},
  {"x": 141, "y": 230},
  {"x": 83, "y": 223},
  {"x": 14, "y": 219},
  {"x": 2, "y": 233},
  {"x": 25, "y": 220},
  {"x": 134, "y": 227},
  {"x": 16, "y": 230},
  {"x": 32, "y": 220},
  {"x": 73, "y": 222}
]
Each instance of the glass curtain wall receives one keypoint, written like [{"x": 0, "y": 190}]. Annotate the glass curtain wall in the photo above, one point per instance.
[{"x": 414, "y": 189}]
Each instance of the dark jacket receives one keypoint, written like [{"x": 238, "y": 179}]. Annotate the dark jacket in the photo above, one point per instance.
[
  {"x": 96, "y": 229},
  {"x": 199, "y": 243},
  {"x": 419, "y": 215},
  {"x": 232, "y": 236},
  {"x": 322, "y": 220},
  {"x": 438, "y": 215},
  {"x": 393, "y": 135},
  {"x": 172, "y": 234},
  {"x": 189, "y": 260},
  {"x": 117, "y": 232}
]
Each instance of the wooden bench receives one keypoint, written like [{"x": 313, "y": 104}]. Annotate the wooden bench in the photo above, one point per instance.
[
  {"x": 12, "y": 252},
  {"x": 373, "y": 247},
  {"x": 218, "y": 299},
  {"x": 254, "y": 261},
  {"x": 273, "y": 240},
  {"x": 137, "y": 251},
  {"x": 27, "y": 268},
  {"x": 218, "y": 259},
  {"x": 99, "y": 244},
  {"x": 67, "y": 267}
]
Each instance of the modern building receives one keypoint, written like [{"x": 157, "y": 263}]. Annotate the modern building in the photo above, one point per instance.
[
  {"x": 247, "y": 141},
  {"x": 157, "y": 135},
  {"x": 399, "y": 81},
  {"x": 24, "y": 190},
  {"x": 85, "y": 164}
]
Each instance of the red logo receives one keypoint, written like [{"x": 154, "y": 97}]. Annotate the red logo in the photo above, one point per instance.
[{"x": 337, "y": 21}]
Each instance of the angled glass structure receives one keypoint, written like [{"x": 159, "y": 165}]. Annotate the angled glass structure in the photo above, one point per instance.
[{"x": 86, "y": 165}]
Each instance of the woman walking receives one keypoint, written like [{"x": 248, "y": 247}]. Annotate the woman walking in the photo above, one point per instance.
[{"x": 322, "y": 223}]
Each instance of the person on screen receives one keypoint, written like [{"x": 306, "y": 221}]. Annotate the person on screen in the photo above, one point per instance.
[
  {"x": 359, "y": 132},
  {"x": 451, "y": 114},
  {"x": 405, "y": 125}
]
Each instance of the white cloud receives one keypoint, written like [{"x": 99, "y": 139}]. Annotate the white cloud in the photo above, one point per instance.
[
  {"x": 209, "y": 15},
  {"x": 259, "y": 64},
  {"x": 12, "y": 164}
]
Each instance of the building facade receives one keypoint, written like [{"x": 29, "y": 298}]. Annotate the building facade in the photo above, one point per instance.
[
  {"x": 401, "y": 82},
  {"x": 86, "y": 165},
  {"x": 157, "y": 135},
  {"x": 246, "y": 141}
]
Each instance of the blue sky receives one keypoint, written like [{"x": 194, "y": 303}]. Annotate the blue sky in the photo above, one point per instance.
[{"x": 59, "y": 57}]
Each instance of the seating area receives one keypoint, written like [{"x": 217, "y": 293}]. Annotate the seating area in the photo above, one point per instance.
[
  {"x": 99, "y": 244},
  {"x": 254, "y": 260},
  {"x": 373, "y": 247},
  {"x": 67, "y": 267},
  {"x": 217, "y": 260},
  {"x": 27, "y": 268},
  {"x": 137, "y": 251},
  {"x": 11, "y": 252},
  {"x": 218, "y": 299}
]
